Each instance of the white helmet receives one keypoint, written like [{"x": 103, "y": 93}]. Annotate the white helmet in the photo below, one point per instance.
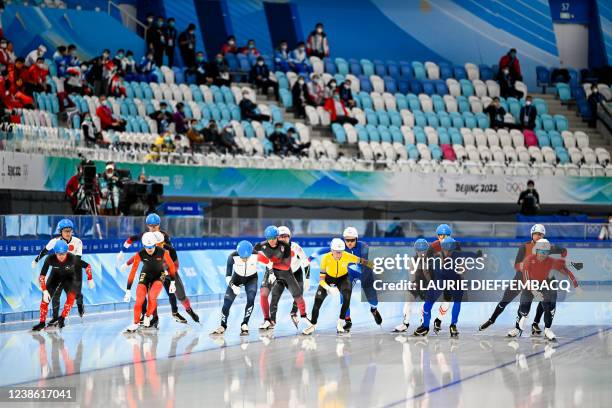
[
  {"x": 538, "y": 228},
  {"x": 282, "y": 230},
  {"x": 541, "y": 245},
  {"x": 149, "y": 240},
  {"x": 159, "y": 237},
  {"x": 337, "y": 245},
  {"x": 350, "y": 232}
]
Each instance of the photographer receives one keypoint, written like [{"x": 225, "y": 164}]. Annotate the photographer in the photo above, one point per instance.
[
  {"x": 110, "y": 186},
  {"x": 82, "y": 189}
]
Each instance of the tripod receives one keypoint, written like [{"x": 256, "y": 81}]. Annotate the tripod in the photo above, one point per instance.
[{"x": 87, "y": 201}]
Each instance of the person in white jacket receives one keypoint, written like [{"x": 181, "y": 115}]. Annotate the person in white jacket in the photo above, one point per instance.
[
  {"x": 606, "y": 230},
  {"x": 300, "y": 266}
]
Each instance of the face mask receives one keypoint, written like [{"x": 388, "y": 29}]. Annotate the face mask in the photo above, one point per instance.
[
  {"x": 506, "y": 72},
  {"x": 41, "y": 65},
  {"x": 512, "y": 54},
  {"x": 595, "y": 90},
  {"x": 610, "y": 221},
  {"x": 130, "y": 57},
  {"x": 3, "y": 45},
  {"x": 332, "y": 85},
  {"x": 319, "y": 30},
  {"x": 337, "y": 97},
  {"x": 279, "y": 129},
  {"x": 171, "y": 24},
  {"x": 251, "y": 46},
  {"x": 231, "y": 42},
  {"x": 73, "y": 53},
  {"x": 120, "y": 56},
  {"x": 219, "y": 60},
  {"x": 302, "y": 49},
  {"x": 191, "y": 32},
  {"x": 149, "y": 20},
  {"x": 150, "y": 57},
  {"x": 301, "y": 82},
  {"x": 284, "y": 47},
  {"x": 528, "y": 103},
  {"x": 160, "y": 23},
  {"x": 105, "y": 55},
  {"x": 260, "y": 63}
]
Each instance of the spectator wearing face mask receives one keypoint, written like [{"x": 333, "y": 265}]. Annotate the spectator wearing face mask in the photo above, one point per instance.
[
  {"x": 4, "y": 56},
  {"x": 96, "y": 73},
  {"x": 163, "y": 117},
  {"x": 147, "y": 68},
  {"x": 281, "y": 57},
  {"x": 36, "y": 77},
  {"x": 72, "y": 57},
  {"x": 292, "y": 142},
  {"x": 606, "y": 230},
  {"x": 187, "y": 46},
  {"x": 196, "y": 139},
  {"x": 150, "y": 37},
  {"x": 510, "y": 61},
  {"x": 250, "y": 49},
  {"x": 316, "y": 91},
  {"x": 218, "y": 71},
  {"x": 506, "y": 84},
  {"x": 496, "y": 115},
  {"x": 248, "y": 109},
  {"x": 128, "y": 66},
  {"x": 159, "y": 41},
  {"x": 108, "y": 121},
  {"x": 227, "y": 140},
  {"x": 299, "y": 94},
  {"x": 118, "y": 60},
  {"x": 330, "y": 89},
  {"x": 529, "y": 200},
  {"x": 180, "y": 119},
  {"x": 317, "y": 44},
  {"x": 200, "y": 68},
  {"x": 346, "y": 94},
  {"x": 117, "y": 86},
  {"x": 171, "y": 34},
  {"x": 15, "y": 96},
  {"x": 594, "y": 100},
  {"x": 59, "y": 59},
  {"x": 527, "y": 116},
  {"x": 90, "y": 133},
  {"x": 230, "y": 46},
  {"x": 298, "y": 60},
  {"x": 35, "y": 55},
  {"x": 75, "y": 81},
  {"x": 211, "y": 134},
  {"x": 278, "y": 138},
  {"x": 337, "y": 111},
  {"x": 260, "y": 77}
]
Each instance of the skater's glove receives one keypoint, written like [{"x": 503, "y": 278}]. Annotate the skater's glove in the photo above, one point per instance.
[
  {"x": 228, "y": 279},
  {"x": 172, "y": 287},
  {"x": 120, "y": 256},
  {"x": 128, "y": 295},
  {"x": 91, "y": 284},
  {"x": 46, "y": 296},
  {"x": 333, "y": 291},
  {"x": 34, "y": 263},
  {"x": 235, "y": 289},
  {"x": 271, "y": 278},
  {"x": 577, "y": 265},
  {"x": 306, "y": 284}
]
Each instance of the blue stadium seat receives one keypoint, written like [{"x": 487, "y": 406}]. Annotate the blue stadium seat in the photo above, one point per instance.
[
  {"x": 456, "y": 136},
  {"x": 396, "y": 134},
  {"x": 540, "y": 106},
  {"x": 441, "y": 88},
  {"x": 390, "y": 84},
  {"x": 419, "y": 119},
  {"x": 543, "y": 139},
  {"x": 563, "y": 91},
  {"x": 342, "y": 66},
  {"x": 355, "y": 67},
  {"x": 406, "y": 69},
  {"x": 555, "y": 138},
  {"x": 393, "y": 69},
  {"x": 286, "y": 98},
  {"x": 416, "y": 87},
  {"x": 574, "y": 77},
  {"x": 401, "y": 101},
  {"x": 413, "y": 102},
  {"x": 428, "y": 87},
  {"x": 379, "y": 68},
  {"x": 446, "y": 70},
  {"x": 367, "y": 67},
  {"x": 365, "y": 83},
  {"x": 562, "y": 155},
  {"x": 548, "y": 123},
  {"x": 482, "y": 119},
  {"x": 432, "y": 119},
  {"x": 232, "y": 62},
  {"x": 383, "y": 118},
  {"x": 470, "y": 120},
  {"x": 460, "y": 73},
  {"x": 445, "y": 120},
  {"x": 339, "y": 133},
  {"x": 419, "y": 135},
  {"x": 396, "y": 118},
  {"x": 514, "y": 107},
  {"x": 330, "y": 66},
  {"x": 457, "y": 120},
  {"x": 419, "y": 70},
  {"x": 463, "y": 104},
  {"x": 443, "y": 136},
  {"x": 373, "y": 133},
  {"x": 543, "y": 77},
  {"x": 467, "y": 89},
  {"x": 179, "y": 76},
  {"x": 438, "y": 103},
  {"x": 371, "y": 117},
  {"x": 413, "y": 153},
  {"x": 366, "y": 100},
  {"x": 486, "y": 73},
  {"x": 362, "y": 133},
  {"x": 561, "y": 123},
  {"x": 385, "y": 134},
  {"x": 436, "y": 152},
  {"x": 403, "y": 86}
]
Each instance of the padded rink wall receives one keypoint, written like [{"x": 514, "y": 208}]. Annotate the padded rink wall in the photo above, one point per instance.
[{"x": 203, "y": 270}]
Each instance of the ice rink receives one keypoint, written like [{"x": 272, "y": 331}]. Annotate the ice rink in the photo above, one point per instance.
[{"x": 182, "y": 365}]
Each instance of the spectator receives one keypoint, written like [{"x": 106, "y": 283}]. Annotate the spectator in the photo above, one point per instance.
[
  {"x": 34, "y": 55},
  {"x": 128, "y": 66},
  {"x": 150, "y": 37},
  {"x": 529, "y": 200},
  {"x": 218, "y": 71},
  {"x": 395, "y": 229},
  {"x": 200, "y": 67},
  {"x": 346, "y": 95},
  {"x": 158, "y": 41},
  {"x": 162, "y": 117},
  {"x": 109, "y": 188},
  {"x": 118, "y": 60},
  {"x": 36, "y": 78},
  {"x": 230, "y": 46},
  {"x": 606, "y": 230},
  {"x": 196, "y": 139},
  {"x": 73, "y": 59},
  {"x": 511, "y": 62},
  {"x": 281, "y": 57},
  {"x": 147, "y": 68},
  {"x": 317, "y": 42},
  {"x": 337, "y": 110},
  {"x": 227, "y": 140},
  {"x": 117, "y": 87},
  {"x": 250, "y": 50},
  {"x": 108, "y": 121},
  {"x": 16, "y": 97},
  {"x": 11, "y": 53},
  {"x": 594, "y": 99},
  {"x": 4, "y": 56},
  {"x": 187, "y": 46},
  {"x": 260, "y": 77},
  {"x": 330, "y": 89},
  {"x": 298, "y": 60},
  {"x": 316, "y": 91},
  {"x": 18, "y": 70},
  {"x": 75, "y": 81},
  {"x": 90, "y": 133},
  {"x": 248, "y": 109},
  {"x": 294, "y": 146},
  {"x": 180, "y": 120},
  {"x": 96, "y": 73},
  {"x": 278, "y": 138},
  {"x": 527, "y": 116},
  {"x": 211, "y": 134},
  {"x": 171, "y": 34},
  {"x": 59, "y": 59},
  {"x": 506, "y": 85},
  {"x": 299, "y": 94},
  {"x": 496, "y": 115}
]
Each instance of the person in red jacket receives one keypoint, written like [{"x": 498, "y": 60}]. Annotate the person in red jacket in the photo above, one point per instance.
[
  {"x": 17, "y": 95},
  {"x": 338, "y": 111},
  {"x": 107, "y": 119},
  {"x": 511, "y": 61},
  {"x": 36, "y": 77},
  {"x": 230, "y": 46}
]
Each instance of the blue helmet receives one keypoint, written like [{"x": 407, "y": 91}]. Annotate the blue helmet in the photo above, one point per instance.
[
  {"x": 153, "y": 219},
  {"x": 448, "y": 244},
  {"x": 63, "y": 224},
  {"x": 245, "y": 249},
  {"x": 61, "y": 247},
  {"x": 421, "y": 245},
  {"x": 270, "y": 232},
  {"x": 444, "y": 229}
]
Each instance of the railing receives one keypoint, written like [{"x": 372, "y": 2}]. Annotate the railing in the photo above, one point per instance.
[
  {"x": 127, "y": 16},
  {"x": 14, "y": 227}
]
